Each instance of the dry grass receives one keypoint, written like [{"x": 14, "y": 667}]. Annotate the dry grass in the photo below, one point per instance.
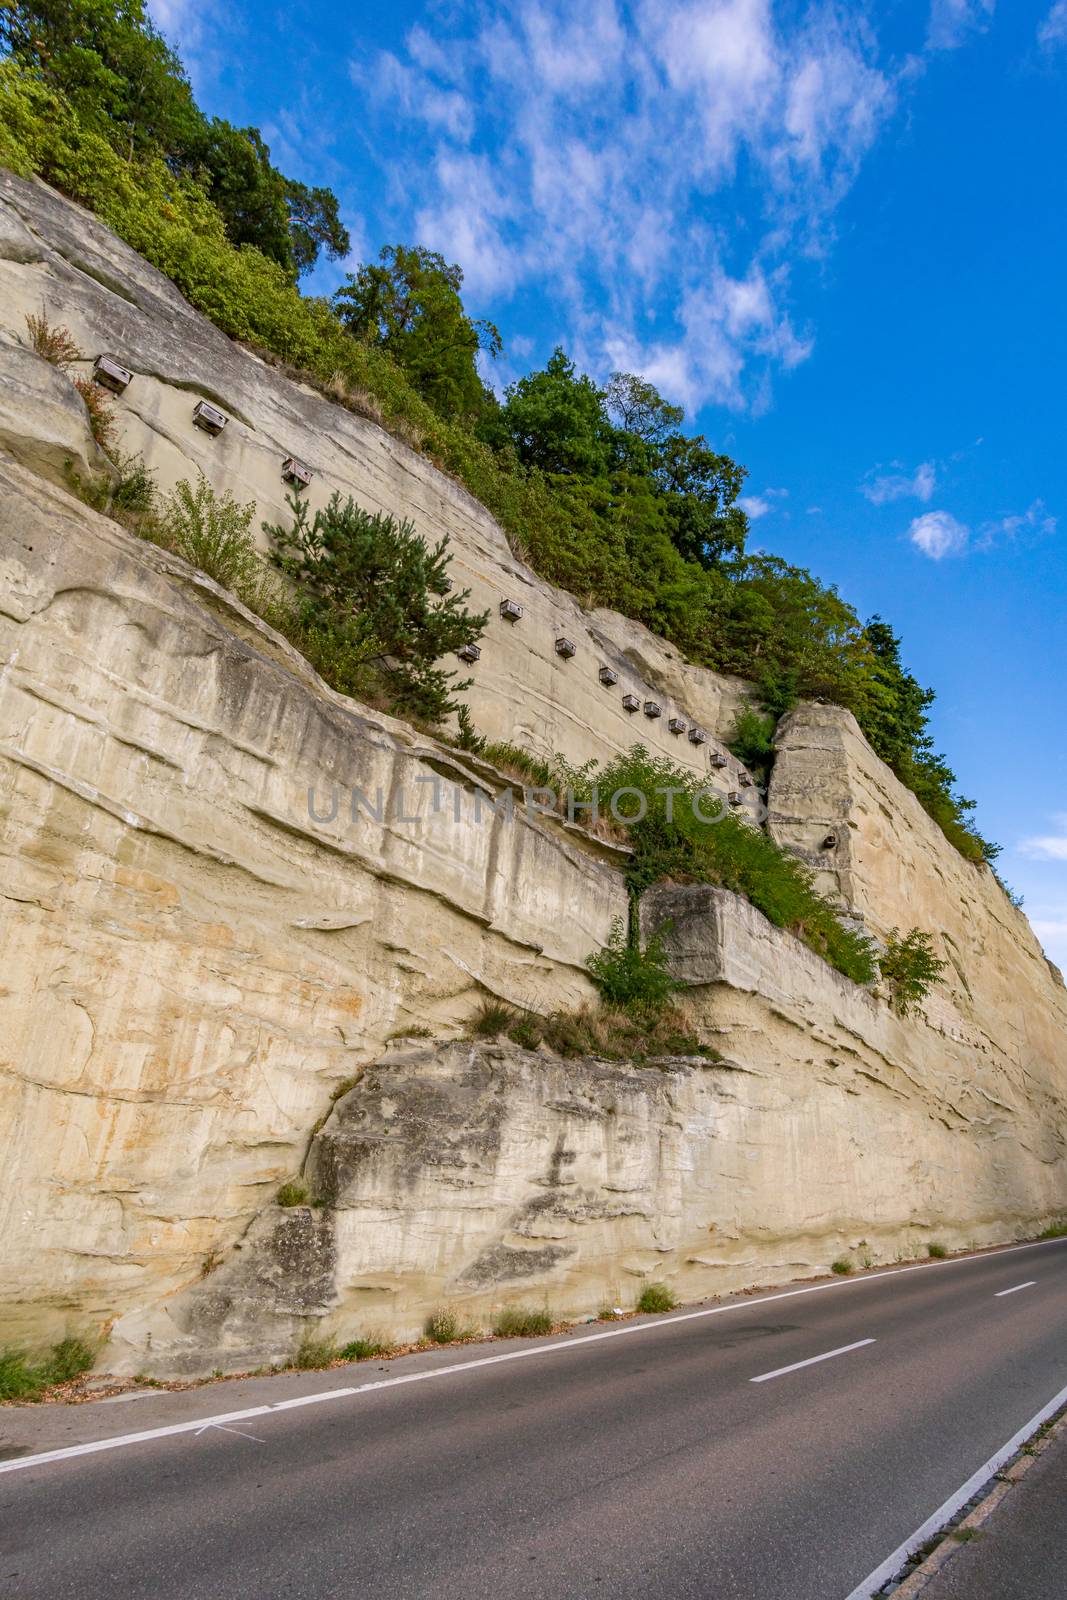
[
  {"x": 591, "y": 1031},
  {"x": 102, "y": 421},
  {"x": 54, "y": 344}
]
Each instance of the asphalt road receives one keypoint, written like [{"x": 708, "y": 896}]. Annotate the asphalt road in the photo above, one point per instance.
[{"x": 647, "y": 1462}]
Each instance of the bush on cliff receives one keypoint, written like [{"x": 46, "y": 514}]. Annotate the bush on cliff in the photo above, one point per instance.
[
  {"x": 381, "y": 594},
  {"x": 683, "y": 833},
  {"x": 909, "y": 969}
]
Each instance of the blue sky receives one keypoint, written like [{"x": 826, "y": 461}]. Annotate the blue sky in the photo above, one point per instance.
[{"x": 836, "y": 234}]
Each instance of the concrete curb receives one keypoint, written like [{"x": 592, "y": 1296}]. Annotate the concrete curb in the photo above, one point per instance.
[{"x": 1003, "y": 1483}]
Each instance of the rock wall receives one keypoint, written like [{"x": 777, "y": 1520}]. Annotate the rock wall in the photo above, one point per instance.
[
  {"x": 476, "y": 1177},
  {"x": 199, "y": 955},
  {"x": 191, "y": 963},
  {"x": 56, "y": 258}
]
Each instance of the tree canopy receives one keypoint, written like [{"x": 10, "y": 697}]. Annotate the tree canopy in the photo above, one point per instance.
[
  {"x": 409, "y": 304},
  {"x": 121, "y": 77}
]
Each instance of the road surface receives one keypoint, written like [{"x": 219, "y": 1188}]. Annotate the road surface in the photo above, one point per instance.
[{"x": 785, "y": 1446}]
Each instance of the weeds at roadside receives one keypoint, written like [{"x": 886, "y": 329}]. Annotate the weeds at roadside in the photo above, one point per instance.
[
  {"x": 656, "y": 1297},
  {"x": 937, "y": 1252},
  {"x": 444, "y": 1327},
  {"x": 842, "y": 1266},
  {"x": 21, "y": 1378},
  {"x": 517, "y": 1322},
  {"x": 364, "y": 1349},
  {"x": 315, "y": 1353}
]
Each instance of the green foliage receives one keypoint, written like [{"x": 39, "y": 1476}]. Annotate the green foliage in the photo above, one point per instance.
[
  {"x": 292, "y": 1193},
  {"x": 599, "y": 489},
  {"x": 937, "y": 1252},
  {"x": 364, "y": 1350},
  {"x": 468, "y": 738},
  {"x": 517, "y": 1322},
  {"x": 315, "y": 1353},
  {"x": 556, "y": 421},
  {"x": 909, "y": 969},
  {"x": 492, "y": 1019},
  {"x": 673, "y": 842},
  {"x": 444, "y": 1327},
  {"x": 631, "y": 979},
  {"x": 842, "y": 1266},
  {"x": 409, "y": 305},
  {"x": 751, "y": 740},
  {"x": 22, "y": 1378},
  {"x": 213, "y": 532},
  {"x": 382, "y": 593},
  {"x": 519, "y": 763},
  {"x": 124, "y": 83},
  {"x": 657, "y": 1297}
]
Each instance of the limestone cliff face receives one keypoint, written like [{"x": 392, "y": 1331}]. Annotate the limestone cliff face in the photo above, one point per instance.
[{"x": 197, "y": 957}]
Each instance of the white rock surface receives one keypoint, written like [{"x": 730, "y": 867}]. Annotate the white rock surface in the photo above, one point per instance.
[{"x": 193, "y": 965}]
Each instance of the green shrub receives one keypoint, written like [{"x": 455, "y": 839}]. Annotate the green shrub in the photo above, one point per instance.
[
  {"x": 382, "y": 592},
  {"x": 22, "y": 1378},
  {"x": 468, "y": 738},
  {"x": 516, "y": 1322},
  {"x": 213, "y": 532},
  {"x": 1056, "y": 1230},
  {"x": 364, "y": 1349},
  {"x": 842, "y": 1266},
  {"x": 633, "y": 980},
  {"x": 909, "y": 970},
  {"x": 444, "y": 1327},
  {"x": 312, "y": 1352},
  {"x": 492, "y": 1019},
  {"x": 936, "y": 1252},
  {"x": 293, "y": 1193},
  {"x": 656, "y": 1297},
  {"x": 751, "y": 740}
]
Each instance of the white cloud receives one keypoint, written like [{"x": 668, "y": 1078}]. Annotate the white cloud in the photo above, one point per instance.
[
  {"x": 754, "y": 506},
  {"x": 1050, "y": 846},
  {"x": 626, "y": 142},
  {"x": 937, "y": 534},
  {"x": 1053, "y": 30},
  {"x": 900, "y": 485},
  {"x": 1035, "y": 522},
  {"x": 952, "y": 22}
]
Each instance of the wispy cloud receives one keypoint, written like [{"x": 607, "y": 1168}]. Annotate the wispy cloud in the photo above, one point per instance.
[
  {"x": 881, "y": 488},
  {"x": 1052, "y": 31},
  {"x": 1032, "y": 524},
  {"x": 952, "y": 22},
  {"x": 757, "y": 505},
  {"x": 600, "y": 153},
  {"x": 1049, "y": 846},
  {"x": 937, "y": 534}
]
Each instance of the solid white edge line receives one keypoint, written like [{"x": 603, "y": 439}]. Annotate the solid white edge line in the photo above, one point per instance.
[
  {"x": 68, "y": 1451},
  {"x": 1002, "y": 1292},
  {"x": 827, "y": 1355},
  {"x": 947, "y": 1510}
]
